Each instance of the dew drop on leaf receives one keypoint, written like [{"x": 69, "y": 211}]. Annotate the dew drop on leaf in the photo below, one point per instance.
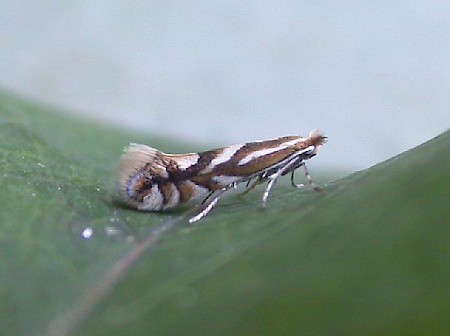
[{"x": 87, "y": 233}]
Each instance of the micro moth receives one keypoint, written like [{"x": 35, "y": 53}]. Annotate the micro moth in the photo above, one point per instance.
[{"x": 151, "y": 180}]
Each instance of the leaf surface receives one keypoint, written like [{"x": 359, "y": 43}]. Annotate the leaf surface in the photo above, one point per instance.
[{"x": 370, "y": 255}]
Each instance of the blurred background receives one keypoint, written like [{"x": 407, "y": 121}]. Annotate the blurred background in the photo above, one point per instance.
[{"x": 373, "y": 75}]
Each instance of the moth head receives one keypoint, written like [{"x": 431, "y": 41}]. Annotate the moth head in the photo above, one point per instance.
[{"x": 317, "y": 138}]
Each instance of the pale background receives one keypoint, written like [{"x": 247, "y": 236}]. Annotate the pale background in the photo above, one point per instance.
[{"x": 374, "y": 75}]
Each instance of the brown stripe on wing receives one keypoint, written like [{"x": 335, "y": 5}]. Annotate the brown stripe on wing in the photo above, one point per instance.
[
  {"x": 187, "y": 190},
  {"x": 171, "y": 165},
  {"x": 167, "y": 191},
  {"x": 232, "y": 167},
  {"x": 260, "y": 145},
  {"x": 204, "y": 160},
  {"x": 258, "y": 164},
  {"x": 184, "y": 179},
  {"x": 206, "y": 181}
]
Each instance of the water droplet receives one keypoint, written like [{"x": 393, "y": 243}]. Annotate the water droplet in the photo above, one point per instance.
[
  {"x": 87, "y": 233},
  {"x": 41, "y": 165},
  {"x": 98, "y": 189},
  {"x": 33, "y": 194}
]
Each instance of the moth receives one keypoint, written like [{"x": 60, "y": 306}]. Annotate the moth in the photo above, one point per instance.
[{"x": 151, "y": 180}]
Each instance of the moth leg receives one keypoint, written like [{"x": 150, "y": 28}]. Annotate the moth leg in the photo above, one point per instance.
[
  {"x": 207, "y": 197},
  {"x": 297, "y": 185},
  {"x": 205, "y": 211},
  {"x": 267, "y": 191},
  {"x": 310, "y": 181},
  {"x": 210, "y": 205},
  {"x": 250, "y": 186},
  {"x": 272, "y": 179}
]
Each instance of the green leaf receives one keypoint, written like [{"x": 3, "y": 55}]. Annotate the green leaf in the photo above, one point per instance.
[{"x": 369, "y": 255}]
